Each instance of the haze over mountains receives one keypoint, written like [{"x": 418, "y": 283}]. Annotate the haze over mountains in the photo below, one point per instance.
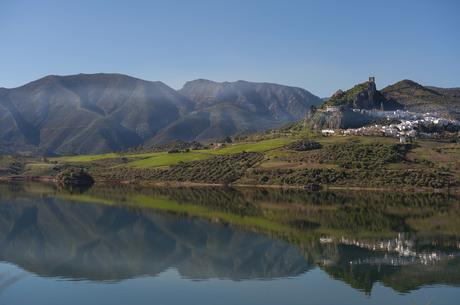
[
  {"x": 107, "y": 112},
  {"x": 230, "y": 108},
  {"x": 97, "y": 113}
]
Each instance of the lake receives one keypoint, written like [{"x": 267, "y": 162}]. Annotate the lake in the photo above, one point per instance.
[{"x": 126, "y": 245}]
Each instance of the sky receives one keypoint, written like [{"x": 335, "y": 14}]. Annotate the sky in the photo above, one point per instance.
[{"x": 317, "y": 45}]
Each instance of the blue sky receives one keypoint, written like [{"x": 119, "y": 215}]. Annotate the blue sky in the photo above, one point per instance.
[{"x": 317, "y": 45}]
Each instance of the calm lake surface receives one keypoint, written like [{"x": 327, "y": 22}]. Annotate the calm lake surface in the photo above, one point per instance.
[{"x": 120, "y": 245}]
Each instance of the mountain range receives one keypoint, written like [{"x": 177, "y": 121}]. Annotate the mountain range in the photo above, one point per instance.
[{"x": 98, "y": 113}]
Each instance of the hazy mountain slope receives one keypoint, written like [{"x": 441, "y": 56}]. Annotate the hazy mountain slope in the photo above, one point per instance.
[
  {"x": 230, "y": 108},
  {"x": 418, "y": 98},
  {"x": 274, "y": 101},
  {"x": 96, "y": 113},
  {"x": 87, "y": 113},
  {"x": 214, "y": 122}
]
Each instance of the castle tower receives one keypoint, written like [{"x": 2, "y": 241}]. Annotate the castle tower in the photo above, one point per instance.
[{"x": 371, "y": 79}]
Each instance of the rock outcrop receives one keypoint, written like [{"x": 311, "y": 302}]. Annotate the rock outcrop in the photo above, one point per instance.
[
  {"x": 337, "y": 112},
  {"x": 363, "y": 96}
]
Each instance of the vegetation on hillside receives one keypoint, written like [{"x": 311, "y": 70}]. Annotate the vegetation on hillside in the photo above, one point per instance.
[
  {"x": 361, "y": 156},
  {"x": 418, "y": 98},
  {"x": 217, "y": 169},
  {"x": 347, "y": 97},
  {"x": 290, "y": 160},
  {"x": 304, "y": 145}
]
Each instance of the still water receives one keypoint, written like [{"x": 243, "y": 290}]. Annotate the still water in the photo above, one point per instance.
[{"x": 227, "y": 246}]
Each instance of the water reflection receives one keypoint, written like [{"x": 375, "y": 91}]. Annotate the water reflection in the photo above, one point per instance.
[
  {"x": 111, "y": 234},
  {"x": 53, "y": 237}
]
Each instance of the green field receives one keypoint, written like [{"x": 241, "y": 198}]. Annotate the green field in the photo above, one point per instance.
[
  {"x": 87, "y": 158},
  {"x": 251, "y": 147},
  {"x": 342, "y": 161},
  {"x": 166, "y": 159},
  {"x": 158, "y": 159}
]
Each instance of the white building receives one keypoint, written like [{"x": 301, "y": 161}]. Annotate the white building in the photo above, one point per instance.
[
  {"x": 332, "y": 109},
  {"x": 327, "y": 132}
]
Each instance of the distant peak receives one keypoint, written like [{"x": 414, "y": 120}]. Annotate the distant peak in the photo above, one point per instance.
[
  {"x": 409, "y": 83},
  {"x": 87, "y": 77},
  {"x": 238, "y": 83},
  {"x": 405, "y": 83},
  {"x": 200, "y": 81}
]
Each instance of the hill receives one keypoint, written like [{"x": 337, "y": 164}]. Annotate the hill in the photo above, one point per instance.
[
  {"x": 230, "y": 108},
  {"x": 362, "y": 96},
  {"x": 86, "y": 113},
  {"x": 294, "y": 159},
  {"x": 415, "y": 97},
  {"x": 98, "y": 113},
  {"x": 337, "y": 111}
]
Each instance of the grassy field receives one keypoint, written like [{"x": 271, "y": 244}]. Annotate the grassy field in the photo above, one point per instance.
[
  {"x": 86, "y": 158},
  {"x": 261, "y": 146},
  {"x": 5, "y": 160},
  {"x": 342, "y": 161},
  {"x": 441, "y": 153},
  {"x": 159, "y": 159},
  {"x": 38, "y": 169},
  {"x": 165, "y": 159}
]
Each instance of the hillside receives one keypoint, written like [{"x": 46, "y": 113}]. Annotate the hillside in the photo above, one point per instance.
[
  {"x": 292, "y": 160},
  {"x": 270, "y": 100},
  {"x": 86, "y": 113},
  {"x": 337, "y": 111},
  {"x": 98, "y": 113},
  {"x": 415, "y": 97},
  {"x": 363, "y": 96},
  {"x": 230, "y": 108}
]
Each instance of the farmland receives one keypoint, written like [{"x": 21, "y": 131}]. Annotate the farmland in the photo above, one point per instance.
[{"x": 292, "y": 160}]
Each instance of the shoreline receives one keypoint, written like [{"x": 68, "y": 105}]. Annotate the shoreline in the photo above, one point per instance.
[{"x": 178, "y": 184}]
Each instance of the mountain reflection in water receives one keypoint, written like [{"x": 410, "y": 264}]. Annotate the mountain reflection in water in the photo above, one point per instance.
[{"x": 112, "y": 234}]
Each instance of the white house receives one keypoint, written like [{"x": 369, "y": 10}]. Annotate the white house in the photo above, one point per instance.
[
  {"x": 327, "y": 132},
  {"x": 332, "y": 109}
]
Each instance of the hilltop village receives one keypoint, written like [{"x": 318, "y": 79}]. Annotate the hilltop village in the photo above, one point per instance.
[
  {"x": 369, "y": 113},
  {"x": 402, "y": 124}
]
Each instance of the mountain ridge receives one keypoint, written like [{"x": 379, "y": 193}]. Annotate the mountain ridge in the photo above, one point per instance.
[
  {"x": 418, "y": 98},
  {"x": 102, "y": 112}
]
